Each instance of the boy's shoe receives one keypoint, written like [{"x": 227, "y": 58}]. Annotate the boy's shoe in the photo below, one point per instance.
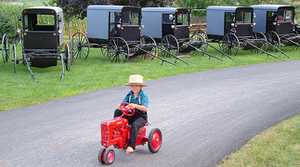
[{"x": 129, "y": 150}]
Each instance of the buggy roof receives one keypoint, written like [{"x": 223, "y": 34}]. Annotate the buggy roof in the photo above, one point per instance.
[
  {"x": 159, "y": 9},
  {"x": 55, "y": 9},
  {"x": 227, "y": 8},
  {"x": 270, "y": 6},
  {"x": 109, "y": 7}
]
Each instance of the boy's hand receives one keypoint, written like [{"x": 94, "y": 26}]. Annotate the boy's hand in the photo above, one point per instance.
[{"x": 132, "y": 105}]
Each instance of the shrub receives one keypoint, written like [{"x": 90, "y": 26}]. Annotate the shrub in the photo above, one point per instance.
[{"x": 9, "y": 18}]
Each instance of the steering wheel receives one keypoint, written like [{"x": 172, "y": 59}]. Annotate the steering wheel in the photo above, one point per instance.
[{"x": 126, "y": 110}]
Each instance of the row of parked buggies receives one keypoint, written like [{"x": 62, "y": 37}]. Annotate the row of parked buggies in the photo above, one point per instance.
[{"x": 123, "y": 32}]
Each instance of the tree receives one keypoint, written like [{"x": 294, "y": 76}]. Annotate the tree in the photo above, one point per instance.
[{"x": 78, "y": 7}]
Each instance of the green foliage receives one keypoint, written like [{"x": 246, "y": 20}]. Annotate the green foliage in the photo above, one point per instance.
[
  {"x": 9, "y": 18},
  {"x": 202, "y": 4},
  {"x": 51, "y": 3}
]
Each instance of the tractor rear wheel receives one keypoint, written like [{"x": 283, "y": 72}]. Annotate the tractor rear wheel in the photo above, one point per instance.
[{"x": 154, "y": 140}]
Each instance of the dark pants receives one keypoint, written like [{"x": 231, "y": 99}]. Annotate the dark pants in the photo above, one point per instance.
[{"x": 136, "y": 123}]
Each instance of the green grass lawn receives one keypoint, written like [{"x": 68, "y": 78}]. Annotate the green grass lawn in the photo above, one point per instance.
[
  {"x": 18, "y": 90},
  {"x": 276, "y": 147}
]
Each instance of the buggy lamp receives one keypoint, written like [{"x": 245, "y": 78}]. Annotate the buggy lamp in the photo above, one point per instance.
[
  {"x": 119, "y": 26},
  {"x": 171, "y": 17},
  {"x": 18, "y": 31},
  {"x": 274, "y": 23},
  {"x": 232, "y": 24},
  {"x": 173, "y": 26}
]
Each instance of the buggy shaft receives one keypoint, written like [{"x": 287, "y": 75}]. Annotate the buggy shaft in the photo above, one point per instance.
[
  {"x": 174, "y": 55},
  {"x": 261, "y": 50},
  {"x": 218, "y": 50},
  {"x": 154, "y": 56},
  {"x": 202, "y": 51}
]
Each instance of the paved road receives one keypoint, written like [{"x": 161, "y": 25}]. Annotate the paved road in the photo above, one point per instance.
[{"x": 203, "y": 117}]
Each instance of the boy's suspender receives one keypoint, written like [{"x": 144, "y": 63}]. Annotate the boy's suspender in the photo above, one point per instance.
[{"x": 139, "y": 102}]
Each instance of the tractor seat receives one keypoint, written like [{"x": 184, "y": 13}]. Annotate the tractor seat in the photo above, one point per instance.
[{"x": 146, "y": 124}]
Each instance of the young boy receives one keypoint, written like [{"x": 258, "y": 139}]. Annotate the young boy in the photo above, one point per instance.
[{"x": 136, "y": 98}]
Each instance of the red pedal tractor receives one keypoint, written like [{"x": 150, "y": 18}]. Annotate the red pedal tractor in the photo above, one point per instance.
[{"x": 115, "y": 133}]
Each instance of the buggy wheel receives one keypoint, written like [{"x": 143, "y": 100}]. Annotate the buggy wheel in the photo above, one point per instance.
[
  {"x": 80, "y": 45},
  {"x": 273, "y": 38},
  {"x": 230, "y": 44},
  {"x": 200, "y": 37},
  {"x": 154, "y": 140},
  {"x": 171, "y": 44},
  {"x": 17, "y": 51},
  {"x": 118, "y": 50},
  {"x": 5, "y": 48},
  {"x": 68, "y": 57},
  {"x": 15, "y": 58},
  {"x": 149, "y": 45},
  {"x": 263, "y": 41},
  {"x": 106, "y": 156},
  {"x": 260, "y": 35}
]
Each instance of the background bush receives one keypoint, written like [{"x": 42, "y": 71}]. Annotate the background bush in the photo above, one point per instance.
[
  {"x": 9, "y": 18},
  {"x": 11, "y": 11}
]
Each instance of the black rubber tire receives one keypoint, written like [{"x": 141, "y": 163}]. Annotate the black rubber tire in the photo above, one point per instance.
[
  {"x": 100, "y": 155},
  {"x": 105, "y": 157}
]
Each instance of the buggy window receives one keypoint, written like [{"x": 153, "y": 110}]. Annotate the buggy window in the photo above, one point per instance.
[
  {"x": 182, "y": 19},
  {"x": 114, "y": 20},
  {"x": 288, "y": 16},
  {"x": 168, "y": 18},
  {"x": 131, "y": 18},
  {"x": 271, "y": 14},
  {"x": 43, "y": 20},
  {"x": 285, "y": 15},
  {"x": 229, "y": 17},
  {"x": 35, "y": 22},
  {"x": 244, "y": 17}
]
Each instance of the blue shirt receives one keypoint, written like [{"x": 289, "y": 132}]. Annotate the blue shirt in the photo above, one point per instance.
[{"x": 141, "y": 99}]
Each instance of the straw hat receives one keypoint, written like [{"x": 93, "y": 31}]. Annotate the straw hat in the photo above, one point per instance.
[{"x": 136, "y": 79}]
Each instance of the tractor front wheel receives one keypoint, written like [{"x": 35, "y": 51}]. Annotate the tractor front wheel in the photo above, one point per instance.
[{"x": 106, "y": 156}]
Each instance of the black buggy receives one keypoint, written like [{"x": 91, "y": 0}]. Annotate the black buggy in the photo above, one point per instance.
[
  {"x": 278, "y": 23},
  {"x": 170, "y": 27},
  {"x": 41, "y": 40},
  {"x": 116, "y": 30},
  {"x": 232, "y": 27}
]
